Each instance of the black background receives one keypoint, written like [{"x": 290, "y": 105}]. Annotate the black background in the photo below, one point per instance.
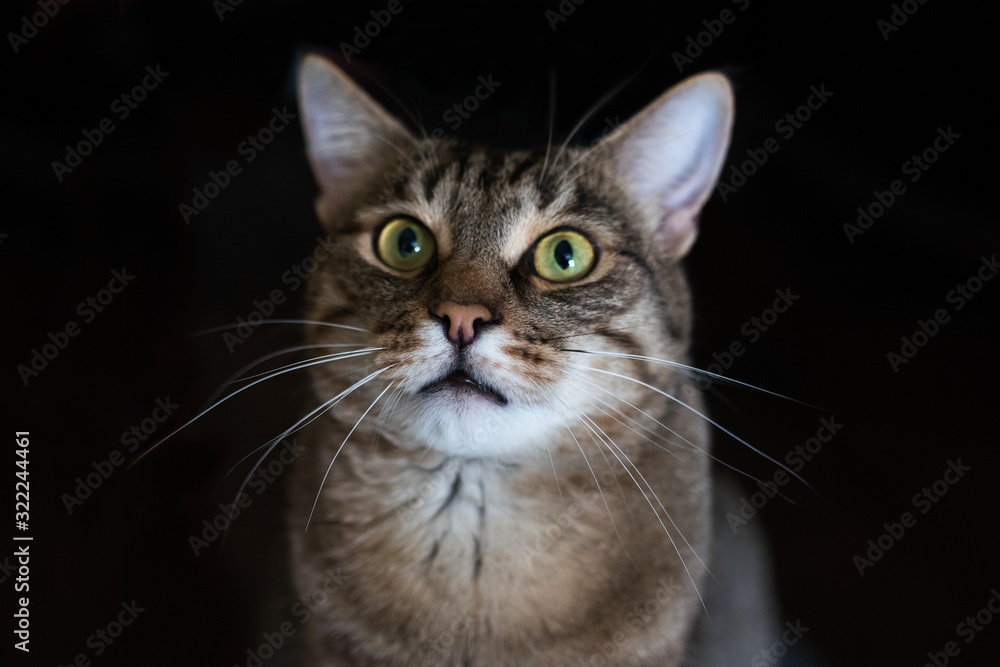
[{"x": 782, "y": 229}]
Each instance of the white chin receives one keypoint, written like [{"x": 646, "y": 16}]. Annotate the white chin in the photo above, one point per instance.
[{"x": 470, "y": 424}]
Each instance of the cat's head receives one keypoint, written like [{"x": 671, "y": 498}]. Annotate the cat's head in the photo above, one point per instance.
[{"x": 476, "y": 271}]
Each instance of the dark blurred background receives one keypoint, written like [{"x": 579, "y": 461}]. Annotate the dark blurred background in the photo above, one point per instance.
[{"x": 223, "y": 70}]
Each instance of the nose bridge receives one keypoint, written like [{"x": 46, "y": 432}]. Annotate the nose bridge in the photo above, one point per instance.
[
  {"x": 465, "y": 298},
  {"x": 468, "y": 281}
]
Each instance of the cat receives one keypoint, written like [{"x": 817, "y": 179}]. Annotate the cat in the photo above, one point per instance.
[{"x": 509, "y": 464}]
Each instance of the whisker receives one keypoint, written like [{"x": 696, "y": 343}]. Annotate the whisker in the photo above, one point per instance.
[
  {"x": 585, "y": 155},
  {"x": 342, "y": 374},
  {"x": 645, "y": 428},
  {"x": 337, "y": 356},
  {"x": 337, "y": 453},
  {"x": 691, "y": 444},
  {"x": 636, "y": 408},
  {"x": 385, "y": 413},
  {"x": 621, "y": 491},
  {"x": 637, "y": 423},
  {"x": 299, "y": 425},
  {"x": 594, "y": 109},
  {"x": 706, "y": 418},
  {"x": 272, "y": 355},
  {"x": 226, "y": 327},
  {"x": 591, "y": 333},
  {"x": 697, "y": 371},
  {"x": 552, "y": 120},
  {"x": 554, "y": 401},
  {"x": 274, "y": 442},
  {"x": 548, "y": 450},
  {"x": 402, "y": 153},
  {"x": 299, "y": 366},
  {"x": 592, "y": 167},
  {"x": 609, "y": 439},
  {"x": 406, "y": 110},
  {"x": 612, "y": 446}
]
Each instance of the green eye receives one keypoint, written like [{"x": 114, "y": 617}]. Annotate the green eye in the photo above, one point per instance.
[
  {"x": 404, "y": 244},
  {"x": 563, "y": 256}
]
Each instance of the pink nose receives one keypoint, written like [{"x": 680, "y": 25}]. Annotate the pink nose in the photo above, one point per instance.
[{"x": 459, "y": 320}]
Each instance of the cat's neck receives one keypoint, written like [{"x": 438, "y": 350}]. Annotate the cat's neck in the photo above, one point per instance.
[{"x": 497, "y": 546}]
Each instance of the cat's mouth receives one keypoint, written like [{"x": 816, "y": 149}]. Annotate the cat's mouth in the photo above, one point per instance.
[{"x": 460, "y": 382}]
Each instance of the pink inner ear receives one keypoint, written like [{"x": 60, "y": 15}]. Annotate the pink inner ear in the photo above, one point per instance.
[
  {"x": 350, "y": 137},
  {"x": 670, "y": 156},
  {"x": 676, "y": 233}
]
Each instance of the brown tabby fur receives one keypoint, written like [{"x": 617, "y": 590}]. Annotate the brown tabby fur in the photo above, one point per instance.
[{"x": 481, "y": 552}]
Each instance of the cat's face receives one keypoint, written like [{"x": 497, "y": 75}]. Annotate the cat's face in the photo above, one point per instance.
[{"x": 480, "y": 275}]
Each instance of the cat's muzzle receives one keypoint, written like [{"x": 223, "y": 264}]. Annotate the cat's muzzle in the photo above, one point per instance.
[{"x": 460, "y": 382}]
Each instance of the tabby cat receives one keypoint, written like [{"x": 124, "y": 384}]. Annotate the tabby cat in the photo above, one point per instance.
[{"x": 509, "y": 461}]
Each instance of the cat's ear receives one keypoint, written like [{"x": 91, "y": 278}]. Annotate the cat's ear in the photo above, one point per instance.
[
  {"x": 670, "y": 156},
  {"x": 350, "y": 138}
]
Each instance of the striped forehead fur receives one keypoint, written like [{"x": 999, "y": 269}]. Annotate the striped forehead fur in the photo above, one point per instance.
[{"x": 502, "y": 201}]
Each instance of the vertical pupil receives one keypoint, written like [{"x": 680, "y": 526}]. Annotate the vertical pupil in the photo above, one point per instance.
[
  {"x": 564, "y": 254},
  {"x": 408, "y": 242}
]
